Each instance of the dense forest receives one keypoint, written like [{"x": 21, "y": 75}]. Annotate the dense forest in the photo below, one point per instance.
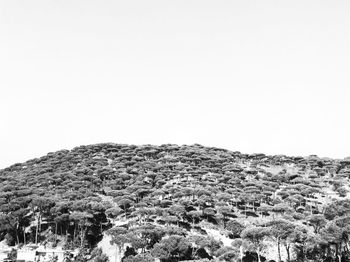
[{"x": 177, "y": 203}]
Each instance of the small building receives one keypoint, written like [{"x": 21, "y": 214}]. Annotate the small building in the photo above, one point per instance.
[{"x": 32, "y": 254}]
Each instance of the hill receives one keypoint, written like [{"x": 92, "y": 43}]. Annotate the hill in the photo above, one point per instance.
[{"x": 178, "y": 203}]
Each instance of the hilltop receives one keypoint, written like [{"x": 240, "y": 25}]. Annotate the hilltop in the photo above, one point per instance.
[{"x": 178, "y": 203}]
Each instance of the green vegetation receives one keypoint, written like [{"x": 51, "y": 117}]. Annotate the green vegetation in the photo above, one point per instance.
[{"x": 172, "y": 198}]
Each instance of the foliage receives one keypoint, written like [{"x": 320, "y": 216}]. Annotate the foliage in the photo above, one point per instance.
[{"x": 167, "y": 194}]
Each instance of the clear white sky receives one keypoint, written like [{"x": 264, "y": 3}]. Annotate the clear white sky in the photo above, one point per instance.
[{"x": 253, "y": 76}]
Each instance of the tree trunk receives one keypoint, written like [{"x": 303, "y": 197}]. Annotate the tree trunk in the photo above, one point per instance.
[
  {"x": 340, "y": 253},
  {"x": 194, "y": 252},
  {"x": 279, "y": 250},
  {"x": 37, "y": 231},
  {"x": 258, "y": 252},
  {"x": 288, "y": 253},
  {"x": 24, "y": 236},
  {"x": 241, "y": 252},
  {"x": 82, "y": 236},
  {"x": 39, "y": 222},
  {"x": 74, "y": 232},
  {"x": 17, "y": 237},
  {"x": 336, "y": 252},
  {"x": 56, "y": 232}
]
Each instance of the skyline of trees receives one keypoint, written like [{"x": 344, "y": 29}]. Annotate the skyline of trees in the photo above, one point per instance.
[{"x": 169, "y": 192}]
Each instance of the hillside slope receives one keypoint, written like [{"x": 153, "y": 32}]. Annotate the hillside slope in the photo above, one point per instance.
[{"x": 175, "y": 199}]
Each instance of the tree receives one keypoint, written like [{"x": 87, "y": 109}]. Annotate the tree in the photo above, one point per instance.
[
  {"x": 125, "y": 204},
  {"x": 41, "y": 205},
  {"x": 342, "y": 191},
  {"x": 208, "y": 243},
  {"x": 300, "y": 236},
  {"x": 241, "y": 245},
  {"x": 113, "y": 212},
  {"x": 177, "y": 210},
  {"x": 83, "y": 222},
  {"x": 279, "y": 230},
  {"x": 317, "y": 221},
  {"x": 235, "y": 228},
  {"x": 281, "y": 208},
  {"x": 173, "y": 247},
  {"x": 21, "y": 219},
  {"x": 227, "y": 254},
  {"x": 337, "y": 208},
  {"x": 146, "y": 236},
  {"x": 8, "y": 228},
  {"x": 119, "y": 238},
  {"x": 333, "y": 234},
  {"x": 194, "y": 214},
  {"x": 224, "y": 211},
  {"x": 256, "y": 236}
]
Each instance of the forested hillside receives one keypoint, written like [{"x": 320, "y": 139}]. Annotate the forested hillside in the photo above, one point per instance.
[{"x": 179, "y": 203}]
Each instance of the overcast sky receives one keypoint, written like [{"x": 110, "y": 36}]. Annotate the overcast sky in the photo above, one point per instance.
[{"x": 253, "y": 76}]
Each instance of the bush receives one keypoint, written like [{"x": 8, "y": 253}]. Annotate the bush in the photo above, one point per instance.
[
  {"x": 235, "y": 228},
  {"x": 98, "y": 256},
  {"x": 10, "y": 240},
  {"x": 146, "y": 257}
]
